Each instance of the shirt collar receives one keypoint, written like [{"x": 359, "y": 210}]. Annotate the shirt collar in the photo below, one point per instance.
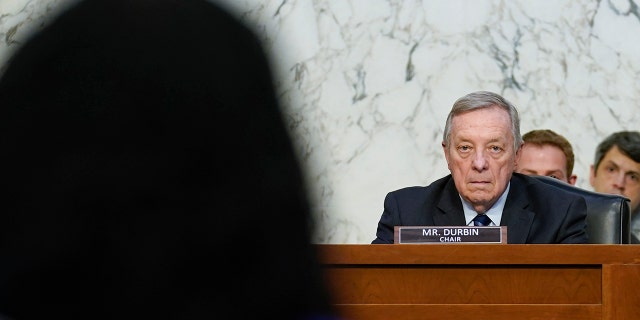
[{"x": 494, "y": 213}]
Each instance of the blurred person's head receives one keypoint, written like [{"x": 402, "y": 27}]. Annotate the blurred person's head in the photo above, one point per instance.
[
  {"x": 481, "y": 141},
  {"x": 547, "y": 153},
  {"x": 149, "y": 171},
  {"x": 616, "y": 167}
]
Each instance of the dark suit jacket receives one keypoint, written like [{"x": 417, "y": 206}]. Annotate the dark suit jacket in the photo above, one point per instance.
[{"x": 534, "y": 212}]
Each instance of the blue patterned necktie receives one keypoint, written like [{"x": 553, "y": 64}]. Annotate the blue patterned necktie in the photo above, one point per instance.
[{"x": 481, "y": 220}]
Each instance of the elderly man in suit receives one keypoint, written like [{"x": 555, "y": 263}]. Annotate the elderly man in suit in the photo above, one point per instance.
[{"x": 482, "y": 143}]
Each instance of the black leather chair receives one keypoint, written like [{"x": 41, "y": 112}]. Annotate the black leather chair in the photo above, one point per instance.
[{"x": 608, "y": 215}]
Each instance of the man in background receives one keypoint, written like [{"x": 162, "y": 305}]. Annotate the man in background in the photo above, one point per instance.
[
  {"x": 547, "y": 153},
  {"x": 616, "y": 170}
]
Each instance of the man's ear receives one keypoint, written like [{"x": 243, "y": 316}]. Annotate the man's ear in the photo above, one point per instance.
[
  {"x": 518, "y": 153},
  {"x": 446, "y": 154}
]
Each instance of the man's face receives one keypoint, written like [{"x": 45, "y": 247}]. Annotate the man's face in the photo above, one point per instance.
[
  {"x": 617, "y": 174},
  {"x": 480, "y": 155},
  {"x": 544, "y": 160}
]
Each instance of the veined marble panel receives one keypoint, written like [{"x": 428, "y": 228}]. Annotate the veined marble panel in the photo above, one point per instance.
[{"x": 366, "y": 85}]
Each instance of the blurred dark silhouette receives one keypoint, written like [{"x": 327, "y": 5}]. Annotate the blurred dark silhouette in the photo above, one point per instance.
[{"x": 149, "y": 173}]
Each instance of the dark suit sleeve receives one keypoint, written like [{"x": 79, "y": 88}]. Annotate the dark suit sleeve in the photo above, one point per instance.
[
  {"x": 389, "y": 219},
  {"x": 573, "y": 229}
]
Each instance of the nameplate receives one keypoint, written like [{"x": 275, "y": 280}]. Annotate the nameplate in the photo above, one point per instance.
[{"x": 450, "y": 234}]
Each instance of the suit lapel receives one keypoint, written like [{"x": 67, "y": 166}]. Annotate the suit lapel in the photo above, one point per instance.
[
  {"x": 516, "y": 215},
  {"x": 450, "y": 211}
]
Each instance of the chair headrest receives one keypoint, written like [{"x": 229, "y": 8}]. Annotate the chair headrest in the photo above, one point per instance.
[{"x": 608, "y": 215}]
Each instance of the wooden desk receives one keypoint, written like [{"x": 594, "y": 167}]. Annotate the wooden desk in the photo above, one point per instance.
[{"x": 483, "y": 281}]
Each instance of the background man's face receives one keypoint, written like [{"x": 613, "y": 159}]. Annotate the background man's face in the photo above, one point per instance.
[
  {"x": 543, "y": 160},
  {"x": 617, "y": 174}
]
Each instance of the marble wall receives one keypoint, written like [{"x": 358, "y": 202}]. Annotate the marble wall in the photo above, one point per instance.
[{"x": 367, "y": 84}]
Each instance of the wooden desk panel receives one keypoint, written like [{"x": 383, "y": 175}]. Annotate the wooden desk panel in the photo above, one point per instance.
[
  {"x": 470, "y": 312},
  {"x": 621, "y": 292},
  {"x": 466, "y": 284},
  {"x": 463, "y": 281}
]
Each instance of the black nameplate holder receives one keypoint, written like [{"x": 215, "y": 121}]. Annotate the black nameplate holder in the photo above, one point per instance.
[{"x": 449, "y": 234}]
